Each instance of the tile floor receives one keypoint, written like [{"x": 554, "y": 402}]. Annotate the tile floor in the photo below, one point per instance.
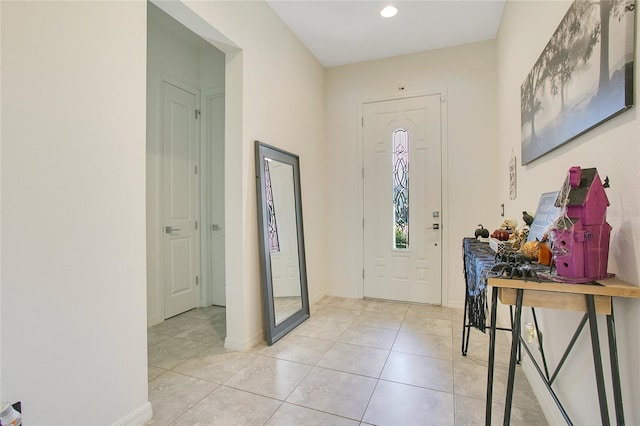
[{"x": 354, "y": 362}]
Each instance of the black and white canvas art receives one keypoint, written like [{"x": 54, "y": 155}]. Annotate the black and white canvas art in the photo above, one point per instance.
[{"x": 583, "y": 77}]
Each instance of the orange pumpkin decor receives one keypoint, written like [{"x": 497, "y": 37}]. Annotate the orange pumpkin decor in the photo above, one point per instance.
[
  {"x": 530, "y": 249},
  {"x": 544, "y": 254}
]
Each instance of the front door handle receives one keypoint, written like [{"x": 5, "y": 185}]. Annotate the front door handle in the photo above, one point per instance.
[{"x": 168, "y": 229}]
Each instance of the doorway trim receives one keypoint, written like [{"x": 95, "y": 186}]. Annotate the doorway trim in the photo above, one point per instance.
[
  {"x": 237, "y": 338},
  {"x": 444, "y": 171},
  {"x": 206, "y": 194}
]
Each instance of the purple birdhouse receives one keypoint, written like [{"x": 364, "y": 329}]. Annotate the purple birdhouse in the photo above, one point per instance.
[{"x": 581, "y": 245}]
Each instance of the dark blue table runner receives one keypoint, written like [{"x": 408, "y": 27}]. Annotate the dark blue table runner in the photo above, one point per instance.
[{"x": 478, "y": 259}]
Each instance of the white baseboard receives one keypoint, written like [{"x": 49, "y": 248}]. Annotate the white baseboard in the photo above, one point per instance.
[
  {"x": 244, "y": 346},
  {"x": 455, "y": 305},
  {"x": 315, "y": 298},
  {"x": 338, "y": 293},
  {"x": 138, "y": 417},
  {"x": 154, "y": 321}
]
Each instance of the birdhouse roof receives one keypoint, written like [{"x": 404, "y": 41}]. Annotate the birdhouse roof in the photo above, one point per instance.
[{"x": 578, "y": 195}]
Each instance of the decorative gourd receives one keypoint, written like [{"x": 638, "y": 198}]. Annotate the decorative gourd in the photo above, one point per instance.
[
  {"x": 530, "y": 249},
  {"x": 501, "y": 234},
  {"x": 482, "y": 232},
  {"x": 544, "y": 254}
]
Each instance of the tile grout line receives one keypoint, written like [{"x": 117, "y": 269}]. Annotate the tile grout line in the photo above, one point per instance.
[
  {"x": 382, "y": 370},
  {"x": 351, "y": 324}
]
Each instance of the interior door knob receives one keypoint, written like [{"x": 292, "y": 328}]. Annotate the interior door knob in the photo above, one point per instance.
[{"x": 168, "y": 229}]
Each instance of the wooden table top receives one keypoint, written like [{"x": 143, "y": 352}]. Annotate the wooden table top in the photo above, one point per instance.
[{"x": 614, "y": 287}]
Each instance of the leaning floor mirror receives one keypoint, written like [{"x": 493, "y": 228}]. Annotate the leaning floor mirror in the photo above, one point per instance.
[{"x": 282, "y": 257}]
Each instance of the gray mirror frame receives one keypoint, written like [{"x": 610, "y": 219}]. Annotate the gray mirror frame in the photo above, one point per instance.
[{"x": 274, "y": 331}]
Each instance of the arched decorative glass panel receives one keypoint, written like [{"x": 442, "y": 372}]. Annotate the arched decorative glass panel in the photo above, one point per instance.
[
  {"x": 274, "y": 243},
  {"x": 400, "y": 158}
]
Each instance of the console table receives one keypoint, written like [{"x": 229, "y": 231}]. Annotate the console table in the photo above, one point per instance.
[{"x": 594, "y": 299}]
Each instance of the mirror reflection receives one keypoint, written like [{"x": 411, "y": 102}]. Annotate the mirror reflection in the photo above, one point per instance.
[
  {"x": 283, "y": 239},
  {"x": 284, "y": 282}
]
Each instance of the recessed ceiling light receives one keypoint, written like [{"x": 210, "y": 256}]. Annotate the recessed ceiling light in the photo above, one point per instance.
[{"x": 388, "y": 12}]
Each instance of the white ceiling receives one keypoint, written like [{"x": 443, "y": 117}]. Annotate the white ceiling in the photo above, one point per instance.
[{"x": 345, "y": 31}]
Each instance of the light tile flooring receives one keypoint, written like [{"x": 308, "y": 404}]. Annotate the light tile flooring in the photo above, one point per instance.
[{"x": 353, "y": 362}]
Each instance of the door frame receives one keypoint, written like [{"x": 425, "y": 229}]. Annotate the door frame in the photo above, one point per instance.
[
  {"x": 206, "y": 179},
  {"x": 444, "y": 154},
  {"x": 237, "y": 334},
  {"x": 166, "y": 78}
]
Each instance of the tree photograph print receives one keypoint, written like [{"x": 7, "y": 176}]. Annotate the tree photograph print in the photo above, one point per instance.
[{"x": 583, "y": 77}]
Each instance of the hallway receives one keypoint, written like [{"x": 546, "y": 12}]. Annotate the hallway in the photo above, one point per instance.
[{"x": 353, "y": 362}]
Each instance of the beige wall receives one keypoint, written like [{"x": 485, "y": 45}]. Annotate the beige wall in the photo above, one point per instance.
[
  {"x": 614, "y": 150},
  {"x": 73, "y": 173},
  {"x": 73, "y": 221},
  {"x": 1, "y": 68},
  {"x": 467, "y": 74}
]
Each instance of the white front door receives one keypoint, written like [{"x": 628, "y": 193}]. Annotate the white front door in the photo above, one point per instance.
[
  {"x": 180, "y": 199},
  {"x": 402, "y": 199}
]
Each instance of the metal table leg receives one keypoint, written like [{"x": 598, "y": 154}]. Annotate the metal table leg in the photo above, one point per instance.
[
  {"x": 464, "y": 321},
  {"x": 492, "y": 352},
  {"x": 615, "y": 368},
  {"x": 515, "y": 341},
  {"x": 597, "y": 360}
]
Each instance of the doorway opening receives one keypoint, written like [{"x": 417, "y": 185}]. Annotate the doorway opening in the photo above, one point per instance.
[{"x": 185, "y": 169}]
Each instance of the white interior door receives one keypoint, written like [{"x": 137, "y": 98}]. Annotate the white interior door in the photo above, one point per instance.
[
  {"x": 180, "y": 199},
  {"x": 402, "y": 199}
]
